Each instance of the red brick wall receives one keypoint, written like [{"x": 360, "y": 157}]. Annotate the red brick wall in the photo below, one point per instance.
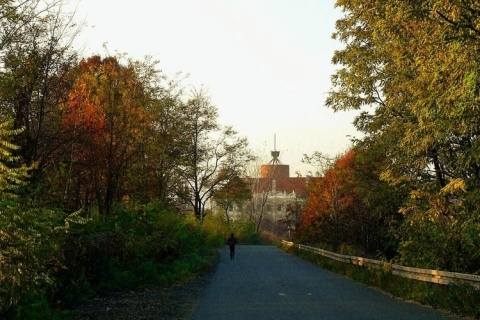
[{"x": 275, "y": 171}]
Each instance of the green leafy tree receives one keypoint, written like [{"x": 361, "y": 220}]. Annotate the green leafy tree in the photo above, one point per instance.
[
  {"x": 321, "y": 162},
  {"x": 17, "y": 16},
  {"x": 415, "y": 64},
  {"x": 418, "y": 74},
  {"x": 36, "y": 58},
  {"x": 234, "y": 192},
  {"x": 19, "y": 266},
  {"x": 154, "y": 176},
  {"x": 381, "y": 219}
]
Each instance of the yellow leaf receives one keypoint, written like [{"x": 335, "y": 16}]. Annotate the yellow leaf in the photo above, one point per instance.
[{"x": 453, "y": 187}]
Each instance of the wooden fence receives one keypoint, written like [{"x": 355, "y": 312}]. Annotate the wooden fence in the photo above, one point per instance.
[{"x": 435, "y": 276}]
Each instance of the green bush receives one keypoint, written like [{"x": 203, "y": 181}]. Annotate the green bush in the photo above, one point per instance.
[
  {"x": 157, "y": 247},
  {"x": 37, "y": 306},
  {"x": 30, "y": 254},
  {"x": 46, "y": 260},
  {"x": 451, "y": 245}
]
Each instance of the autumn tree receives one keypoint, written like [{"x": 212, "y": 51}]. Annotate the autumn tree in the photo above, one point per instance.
[
  {"x": 351, "y": 205},
  {"x": 415, "y": 64},
  {"x": 213, "y": 154},
  {"x": 104, "y": 114},
  {"x": 339, "y": 200}
]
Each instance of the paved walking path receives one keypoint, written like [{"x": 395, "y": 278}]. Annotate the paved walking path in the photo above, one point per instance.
[{"x": 263, "y": 282}]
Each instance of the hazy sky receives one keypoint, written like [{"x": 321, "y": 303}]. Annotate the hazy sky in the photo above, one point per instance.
[{"x": 266, "y": 64}]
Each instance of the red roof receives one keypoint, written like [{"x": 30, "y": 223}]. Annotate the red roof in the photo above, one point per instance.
[{"x": 288, "y": 185}]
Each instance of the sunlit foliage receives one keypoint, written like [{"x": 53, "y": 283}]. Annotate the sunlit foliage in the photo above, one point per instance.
[{"x": 412, "y": 67}]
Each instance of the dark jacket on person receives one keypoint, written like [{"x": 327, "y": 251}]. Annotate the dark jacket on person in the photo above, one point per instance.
[{"x": 232, "y": 241}]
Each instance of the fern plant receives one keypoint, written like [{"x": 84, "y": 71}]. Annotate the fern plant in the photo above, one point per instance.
[{"x": 13, "y": 174}]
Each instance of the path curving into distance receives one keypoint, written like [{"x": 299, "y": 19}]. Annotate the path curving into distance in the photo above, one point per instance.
[{"x": 264, "y": 282}]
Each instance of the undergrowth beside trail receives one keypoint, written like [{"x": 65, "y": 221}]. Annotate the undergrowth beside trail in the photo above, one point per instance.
[
  {"x": 130, "y": 249},
  {"x": 133, "y": 248}
]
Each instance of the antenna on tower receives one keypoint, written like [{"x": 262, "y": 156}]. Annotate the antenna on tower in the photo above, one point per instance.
[{"x": 275, "y": 154}]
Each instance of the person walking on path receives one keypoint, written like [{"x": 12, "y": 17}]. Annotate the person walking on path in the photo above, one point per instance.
[{"x": 232, "y": 241}]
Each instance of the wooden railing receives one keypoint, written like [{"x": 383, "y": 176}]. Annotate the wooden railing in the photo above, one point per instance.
[{"x": 435, "y": 276}]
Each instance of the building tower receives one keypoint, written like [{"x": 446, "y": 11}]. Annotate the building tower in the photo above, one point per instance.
[{"x": 275, "y": 169}]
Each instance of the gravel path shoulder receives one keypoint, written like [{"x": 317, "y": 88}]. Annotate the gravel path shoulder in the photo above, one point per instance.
[{"x": 177, "y": 302}]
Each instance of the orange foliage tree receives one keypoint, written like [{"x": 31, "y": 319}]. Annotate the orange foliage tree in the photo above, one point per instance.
[
  {"x": 350, "y": 205},
  {"x": 332, "y": 209},
  {"x": 105, "y": 118}
]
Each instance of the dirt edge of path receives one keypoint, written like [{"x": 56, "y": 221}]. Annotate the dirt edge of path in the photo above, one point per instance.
[{"x": 176, "y": 302}]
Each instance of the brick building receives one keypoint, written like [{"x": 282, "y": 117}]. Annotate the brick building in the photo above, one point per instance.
[{"x": 276, "y": 200}]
